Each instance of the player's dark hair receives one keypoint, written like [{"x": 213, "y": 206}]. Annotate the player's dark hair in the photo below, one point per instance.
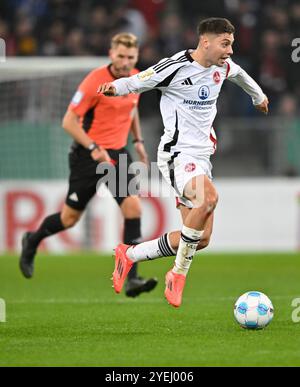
[{"x": 215, "y": 25}]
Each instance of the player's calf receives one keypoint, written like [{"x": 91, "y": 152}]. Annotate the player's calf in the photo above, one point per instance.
[
  {"x": 131, "y": 207},
  {"x": 204, "y": 242},
  {"x": 69, "y": 216},
  {"x": 205, "y": 202}
]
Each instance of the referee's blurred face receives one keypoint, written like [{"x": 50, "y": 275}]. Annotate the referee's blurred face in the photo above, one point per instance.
[
  {"x": 123, "y": 60},
  {"x": 218, "y": 47}
]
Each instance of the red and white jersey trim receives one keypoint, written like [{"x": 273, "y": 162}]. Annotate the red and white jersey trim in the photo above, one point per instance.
[{"x": 213, "y": 138}]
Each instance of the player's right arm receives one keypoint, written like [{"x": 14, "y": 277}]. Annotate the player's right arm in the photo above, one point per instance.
[
  {"x": 135, "y": 84},
  {"x": 146, "y": 80}
]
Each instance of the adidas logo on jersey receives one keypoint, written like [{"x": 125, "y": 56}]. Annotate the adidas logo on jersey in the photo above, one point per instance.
[
  {"x": 74, "y": 197},
  {"x": 187, "y": 82}
]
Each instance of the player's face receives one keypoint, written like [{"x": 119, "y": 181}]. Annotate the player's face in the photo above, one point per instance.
[
  {"x": 123, "y": 60},
  {"x": 219, "y": 48}
]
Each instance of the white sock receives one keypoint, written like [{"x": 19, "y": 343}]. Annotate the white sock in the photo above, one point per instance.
[
  {"x": 156, "y": 248},
  {"x": 186, "y": 250}
]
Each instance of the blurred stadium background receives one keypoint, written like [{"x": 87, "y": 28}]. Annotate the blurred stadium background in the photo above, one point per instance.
[{"x": 50, "y": 47}]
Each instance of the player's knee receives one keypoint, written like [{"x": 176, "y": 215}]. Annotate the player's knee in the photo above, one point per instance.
[
  {"x": 131, "y": 208},
  {"x": 211, "y": 202},
  {"x": 207, "y": 205},
  {"x": 69, "y": 220}
]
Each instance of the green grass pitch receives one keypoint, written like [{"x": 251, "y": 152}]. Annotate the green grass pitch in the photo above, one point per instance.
[{"x": 69, "y": 315}]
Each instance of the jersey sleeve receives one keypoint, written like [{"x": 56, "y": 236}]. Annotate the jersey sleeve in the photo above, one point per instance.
[
  {"x": 239, "y": 76},
  {"x": 149, "y": 79},
  {"x": 85, "y": 97}
]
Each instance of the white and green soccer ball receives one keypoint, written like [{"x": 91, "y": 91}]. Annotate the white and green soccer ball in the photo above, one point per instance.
[{"x": 253, "y": 310}]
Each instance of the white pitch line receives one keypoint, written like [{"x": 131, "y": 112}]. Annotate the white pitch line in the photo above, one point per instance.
[
  {"x": 80, "y": 301},
  {"x": 128, "y": 301}
]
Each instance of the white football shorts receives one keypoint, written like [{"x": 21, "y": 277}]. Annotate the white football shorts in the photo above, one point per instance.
[{"x": 179, "y": 168}]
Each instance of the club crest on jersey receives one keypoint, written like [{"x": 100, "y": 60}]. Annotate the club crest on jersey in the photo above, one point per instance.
[
  {"x": 216, "y": 77},
  {"x": 203, "y": 92},
  {"x": 190, "y": 167}
]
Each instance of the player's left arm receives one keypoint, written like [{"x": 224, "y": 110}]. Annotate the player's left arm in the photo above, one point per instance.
[
  {"x": 138, "y": 141},
  {"x": 240, "y": 77}
]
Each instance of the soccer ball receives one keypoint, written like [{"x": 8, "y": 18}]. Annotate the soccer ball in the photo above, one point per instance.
[{"x": 253, "y": 310}]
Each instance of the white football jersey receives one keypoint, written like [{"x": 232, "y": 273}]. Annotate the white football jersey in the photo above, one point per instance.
[{"x": 189, "y": 94}]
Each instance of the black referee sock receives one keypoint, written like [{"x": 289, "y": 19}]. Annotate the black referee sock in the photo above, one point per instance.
[
  {"x": 50, "y": 226},
  {"x": 132, "y": 236}
]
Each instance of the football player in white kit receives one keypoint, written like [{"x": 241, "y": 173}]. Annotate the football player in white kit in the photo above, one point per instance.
[{"x": 190, "y": 82}]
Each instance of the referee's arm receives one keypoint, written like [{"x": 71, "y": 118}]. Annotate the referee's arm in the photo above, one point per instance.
[
  {"x": 71, "y": 124},
  {"x": 138, "y": 141}
]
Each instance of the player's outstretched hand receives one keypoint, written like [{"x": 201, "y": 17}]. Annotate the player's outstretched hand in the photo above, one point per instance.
[
  {"x": 107, "y": 89},
  {"x": 263, "y": 107}
]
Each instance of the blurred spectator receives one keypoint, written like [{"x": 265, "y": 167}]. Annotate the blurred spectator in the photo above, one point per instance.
[
  {"x": 294, "y": 18},
  {"x": 272, "y": 71},
  {"x": 97, "y": 25},
  {"x": 54, "y": 40},
  {"x": 245, "y": 21},
  {"x": 10, "y": 40},
  {"x": 151, "y": 9},
  {"x": 25, "y": 38},
  {"x": 33, "y": 9},
  {"x": 171, "y": 39},
  {"x": 130, "y": 20},
  {"x": 75, "y": 44},
  {"x": 293, "y": 68},
  {"x": 192, "y": 11}
]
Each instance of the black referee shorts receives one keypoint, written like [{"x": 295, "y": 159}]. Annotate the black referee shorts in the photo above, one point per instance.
[{"x": 83, "y": 178}]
